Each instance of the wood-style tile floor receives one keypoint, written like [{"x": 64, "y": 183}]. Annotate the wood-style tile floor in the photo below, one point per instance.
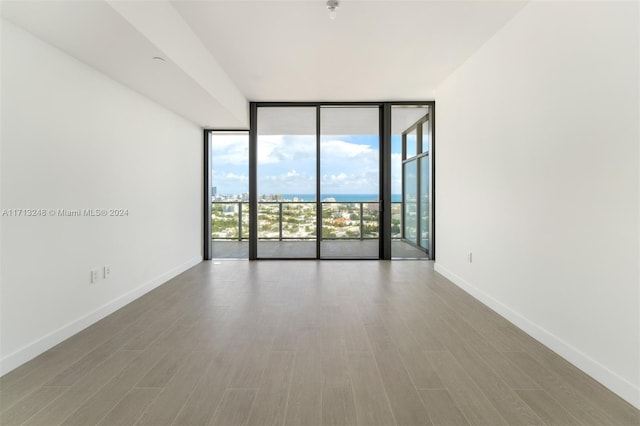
[{"x": 305, "y": 343}]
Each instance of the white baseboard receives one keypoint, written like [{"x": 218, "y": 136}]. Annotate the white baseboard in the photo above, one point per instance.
[
  {"x": 30, "y": 351},
  {"x": 617, "y": 384}
]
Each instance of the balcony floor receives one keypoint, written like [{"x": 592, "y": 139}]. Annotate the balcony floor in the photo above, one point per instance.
[{"x": 307, "y": 249}]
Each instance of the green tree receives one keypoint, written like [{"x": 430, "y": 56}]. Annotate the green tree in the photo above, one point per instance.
[{"x": 328, "y": 232}]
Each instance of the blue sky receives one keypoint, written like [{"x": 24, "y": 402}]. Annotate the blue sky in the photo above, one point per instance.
[{"x": 287, "y": 164}]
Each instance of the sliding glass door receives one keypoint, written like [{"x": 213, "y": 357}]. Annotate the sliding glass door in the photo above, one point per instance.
[
  {"x": 350, "y": 182},
  {"x": 287, "y": 180},
  {"x": 318, "y": 182}
]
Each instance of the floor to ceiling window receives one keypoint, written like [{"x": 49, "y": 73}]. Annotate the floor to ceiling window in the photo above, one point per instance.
[
  {"x": 350, "y": 181},
  {"x": 323, "y": 181},
  {"x": 287, "y": 182},
  {"x": 318, "y": 181},
  {"x": 411, "y": 177},
  {"x": 229, "y": 193}
]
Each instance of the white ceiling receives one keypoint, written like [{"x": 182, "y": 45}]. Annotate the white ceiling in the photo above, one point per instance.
[
  {"x": 373, "y": 50},
  {"x": 220, "y": 54}
]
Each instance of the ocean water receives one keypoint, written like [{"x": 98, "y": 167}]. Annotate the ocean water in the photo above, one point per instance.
[{"x": 343, "y": 198}]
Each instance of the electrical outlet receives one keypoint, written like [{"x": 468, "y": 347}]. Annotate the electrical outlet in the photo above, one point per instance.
[
  {"x": 94, "y": 276},
  {"x": 106, "y": 271},
  {"x": 470, "y": 257}
]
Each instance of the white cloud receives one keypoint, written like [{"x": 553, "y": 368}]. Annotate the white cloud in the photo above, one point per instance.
[
  {"x": 230, "y": 150},
  {"x": 290, "y": 176},
  {"x": 362, "y": 181},
  {"x": 277, "y": 149},
  {"x": 234, "y": 149},
  {"x": 342, "y": 149},
  {"x": 229, "y": 182},
  {"x": 288, "y": 182},
  {"x": 236, "y": 178},
  {"x": 286, "y": 164}
]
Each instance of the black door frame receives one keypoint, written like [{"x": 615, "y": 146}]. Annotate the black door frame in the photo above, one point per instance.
[
  {"x": 384, "y": 174},
  {"x": 420, "y": 153}
]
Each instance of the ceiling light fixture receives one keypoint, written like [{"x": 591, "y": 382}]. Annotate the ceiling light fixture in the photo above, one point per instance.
[
  {"x": 332, "y": 5},
  {"x": 158, "y": 58}
]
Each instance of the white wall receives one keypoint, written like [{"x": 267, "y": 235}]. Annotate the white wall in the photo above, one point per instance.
[
  {"x": 72, "y": 138},
  {"x": 537, "y": 175}
]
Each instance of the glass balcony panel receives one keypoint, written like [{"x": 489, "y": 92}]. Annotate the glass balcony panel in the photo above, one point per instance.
[
  {"x": 299, "y": 221},
  {"x": 340, "y": 221},
  {"x": 245, "y": 221},
  {"x": 424, "y": 202},
  {"x": 396, "y": 220},
  {"x": 371, "y": 220},
  {"x": 411, "y": 201},
  {"x": 268, "y": 221}
]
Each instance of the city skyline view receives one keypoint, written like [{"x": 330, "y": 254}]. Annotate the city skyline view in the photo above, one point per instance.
[{"x": 287, "y": 164}]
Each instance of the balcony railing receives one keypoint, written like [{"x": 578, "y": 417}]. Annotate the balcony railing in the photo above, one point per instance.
[{"x": 284, "y": 220}]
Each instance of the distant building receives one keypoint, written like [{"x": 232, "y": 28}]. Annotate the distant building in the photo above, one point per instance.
[
  {"x": 230, "y": 209},
  {"x": 371, "y": 206}
]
